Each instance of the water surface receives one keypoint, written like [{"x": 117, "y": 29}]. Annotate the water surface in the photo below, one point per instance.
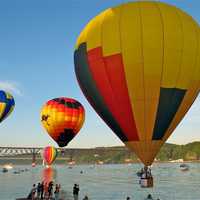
[{"x": 107, "y": 182}]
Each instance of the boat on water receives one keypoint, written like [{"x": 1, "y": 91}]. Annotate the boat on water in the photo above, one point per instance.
[
  {"x": 139, "y": 173},
  {"x": 184, "y": 167},
  {"x": 4, "y": 170},
  {"x": 16, "y": 172},
  {"x": 6, "y": 167}
]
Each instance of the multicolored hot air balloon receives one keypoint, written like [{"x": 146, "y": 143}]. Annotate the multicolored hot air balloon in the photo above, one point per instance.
[
  {"x": 7, "y": 104},
  {"x": 49, "y": 154},
  {"x": 62, "y": 118},
  {"x": 138, "y": 64}
]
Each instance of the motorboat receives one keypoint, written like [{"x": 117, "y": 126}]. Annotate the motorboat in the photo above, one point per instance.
[
  {"x": 139, "y": 173},
  {"x": 184, "y": 167},
  {"x": 8, "y": 166},
  {"x": 4, "y": 170},
  {"x": 16, "y": 172}
]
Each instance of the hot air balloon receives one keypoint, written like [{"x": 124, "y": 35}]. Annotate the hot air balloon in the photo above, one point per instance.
[
  {"x": 138, "y": 64},
  {"x": 62, "y": 118},
  {"x": 49, "y": 154},
  {"x": 7, "y": 104}
]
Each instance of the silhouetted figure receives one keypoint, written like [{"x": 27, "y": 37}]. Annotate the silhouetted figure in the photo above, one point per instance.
[
  {"x": 75, "y": 191},
  {"x": 57, "y": 192},
  {"x": 149, "y": 197},
  {"x": 38, "y": 190},
  {"x": 50, "y": 189},
  {"x": 42, "y": 190},
  {"x": 85, "y": 198},
  {"x": 32, "y": 193},
  {"x": 45, "y": 190},
  {"x": 127, "y": 198}
]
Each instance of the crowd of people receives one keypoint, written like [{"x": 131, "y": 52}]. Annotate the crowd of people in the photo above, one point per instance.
[
  {"x": 44, "y": 191},
  {"x": 48, "y": 191}
]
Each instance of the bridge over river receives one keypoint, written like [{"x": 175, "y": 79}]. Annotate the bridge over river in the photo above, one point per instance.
[{"x": 10, "y": 152}]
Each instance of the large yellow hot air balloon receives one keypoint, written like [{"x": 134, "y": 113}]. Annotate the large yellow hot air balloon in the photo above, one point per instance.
[{"x": 138, "y": 64}]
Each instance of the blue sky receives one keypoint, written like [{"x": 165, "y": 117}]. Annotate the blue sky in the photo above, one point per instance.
[{"x": 37, "y": 41}]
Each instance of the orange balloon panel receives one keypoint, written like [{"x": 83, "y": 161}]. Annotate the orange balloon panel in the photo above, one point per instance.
[{"x": 62, "y": 118}]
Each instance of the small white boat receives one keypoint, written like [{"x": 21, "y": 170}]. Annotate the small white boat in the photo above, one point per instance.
[{"x": 8, "y": 166}]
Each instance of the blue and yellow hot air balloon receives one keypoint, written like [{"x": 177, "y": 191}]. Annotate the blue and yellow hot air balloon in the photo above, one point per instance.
[
  {"x": 138, "y": 64},
  {"x": 7, "y": 104}
]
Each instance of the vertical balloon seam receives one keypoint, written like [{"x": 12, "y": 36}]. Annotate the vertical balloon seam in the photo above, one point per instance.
[
  {"x": 189, "y": 85},
  {"x": 191, "y": 78},
  {"x": 72, "y": 117},
  {"x": 105, "y": 60},
  {"x": 163, "y": 52},
  {"x": 87, "y": 83},
  {"x": 172, "y": 93},
  {"x": 75, "y": 117},
  {"x": 78, "y": 120},
  {"x": 46, "y": 154},
  {"x": 71, "y": 113},
  {"x": 128, "y": 65},
  {"x": 142, "y": 57},
  {"x": 112, "y": 119},
  {"x": 104, "y": 66},
  {"x": 49, "y": 154},
  {"x": 81, "y": 113},
  {"x": 196, "y": 91},
  {"x": 135, "y": 132}
]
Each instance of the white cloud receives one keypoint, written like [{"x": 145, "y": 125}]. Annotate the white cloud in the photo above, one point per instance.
[{"x": 10, "y": 86}]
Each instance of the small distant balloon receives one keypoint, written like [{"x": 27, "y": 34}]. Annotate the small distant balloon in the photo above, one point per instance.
[
  {"x": 7, "y": 104},
  {"x": 62, "y": 118},
  {"x": 49, "y": 154}
]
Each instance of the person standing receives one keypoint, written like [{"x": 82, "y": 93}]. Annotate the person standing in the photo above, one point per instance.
[
  {"x": 45, "y": 190},
  {"x": 50, "y": 189},
  {"x": 38, "y": 190},
  {"x": 42, "y": 190},
  {"x": 57, "y": 192},
  {"x": 85, "y": 198},
  {"x": 149, "y": 197},
  {"x": 75, "y": 191},
  {"x": 33, "y": 191}
]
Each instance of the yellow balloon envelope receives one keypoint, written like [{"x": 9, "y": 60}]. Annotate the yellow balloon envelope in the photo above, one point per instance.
[{"x": 138, "y": 64}]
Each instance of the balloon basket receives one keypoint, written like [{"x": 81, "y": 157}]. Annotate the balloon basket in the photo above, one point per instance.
[{"x": 146, "y": 182}]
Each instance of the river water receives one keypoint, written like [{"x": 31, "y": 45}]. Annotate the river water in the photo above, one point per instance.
[{"x": 106, "y": 182}]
